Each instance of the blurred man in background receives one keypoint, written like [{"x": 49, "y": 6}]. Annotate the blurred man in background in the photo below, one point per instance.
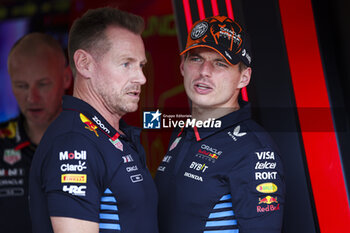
[{"x": 39, "y": 77}]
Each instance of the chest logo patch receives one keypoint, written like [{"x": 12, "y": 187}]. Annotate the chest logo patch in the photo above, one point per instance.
[
  {"x": 117, "y": 143},
  {"x": 267, "y": 188},
  {"x": 136, "y": 178},
  {"x": 209, "y": 153},
  {"x": 235, "y": 134},
  {"x": 127, "y": 158},
  {"x": 177, "y": 140},
  {"x": 12, "y": 156}
]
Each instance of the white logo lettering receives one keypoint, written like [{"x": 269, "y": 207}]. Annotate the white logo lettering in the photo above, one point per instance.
[
  {"x": 102, "y": 126},
  {"x": 10, "y": 192},
  {"x": 73, "y": 155},
  {"x": 136, "y": 178},
  {"x": 127, "y": 158},
  {"x": 209, "y": 123},
  {"x": 167, "y": 159},
  {"x": 228, "y": 55},
  {"x": 192, "y": 176},
  {"x": 12, "y": 172},
  {"x": 265, "y": 175},
  {"x": 131, "y": 169},
  {"x": 265, "y": 155},
  {"x": 212, "y": 150},
  {"x": 70, "y": 167},
  {"x": 265, "y": 165},
  {"x": 161, "y": 168},
  {"x": 236, "y": 133},
  {"x": 75, "y": 190},
  {"x": 11, "y": 182},
  {"x": 198, "y": 167},
  {"x": 245, "y": 54}
]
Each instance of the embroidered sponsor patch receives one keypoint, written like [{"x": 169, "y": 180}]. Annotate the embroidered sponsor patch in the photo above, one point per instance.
[
  {"x": 117, "y": 143},
  {"x": 88, "y": 124},
  {"x": 174, "y": 144},
  {"x": 266, "y": 188},
  {"x": 73, "y": 178},
  {"x": 12, "y": 156},
  {"x": 75, "y": 189}
]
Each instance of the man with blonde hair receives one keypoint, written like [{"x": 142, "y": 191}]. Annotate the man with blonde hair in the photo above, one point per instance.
[{"x": 39, "y": 77}]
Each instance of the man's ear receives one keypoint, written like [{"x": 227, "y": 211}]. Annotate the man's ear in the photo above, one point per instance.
[
  {"x": 83, "y": 63},
  {"x": 245, "y": 77}
]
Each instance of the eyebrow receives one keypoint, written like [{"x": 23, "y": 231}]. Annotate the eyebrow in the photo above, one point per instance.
[
  {"x": 25, "y": 81},
  {"x": 220, "y": 59},
  {"x": 130, "y": 59}
]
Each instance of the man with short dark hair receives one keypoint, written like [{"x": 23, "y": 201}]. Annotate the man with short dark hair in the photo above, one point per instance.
[
  {"x": 39, "y": 77},
  {"x": 89, "y": 173},
  {"x": 226, "y": 178}
]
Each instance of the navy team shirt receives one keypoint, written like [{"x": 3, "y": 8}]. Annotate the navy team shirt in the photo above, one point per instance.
[
  {"x": 221, "y": 180},
  {"x": 84, "y": 169},
  {"x": 16, "y": 153}
]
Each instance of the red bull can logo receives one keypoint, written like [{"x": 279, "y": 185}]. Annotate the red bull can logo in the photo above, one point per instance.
[
  {"x": 9, "y": 131},
  {"x": 268, "y": 200},
  {"x": 89, "y": 125}
]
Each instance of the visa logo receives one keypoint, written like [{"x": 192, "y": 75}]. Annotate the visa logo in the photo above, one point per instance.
[{"x": 265, "y": 155}]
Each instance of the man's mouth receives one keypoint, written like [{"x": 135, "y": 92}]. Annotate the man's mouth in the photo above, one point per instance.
[
  {"x": 133, "y": 93},
  {"x": 203, "y": 86},
  {"x": 35, "y": 110}
]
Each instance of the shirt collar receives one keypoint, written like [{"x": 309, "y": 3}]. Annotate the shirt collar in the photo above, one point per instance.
[
  {"x": 22, "y": 139},
  {"x": 228, "y": 120},
  {"x": 96, "y": 120}
]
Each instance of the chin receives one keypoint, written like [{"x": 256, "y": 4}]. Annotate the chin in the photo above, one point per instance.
[
  {"x": 201, "y": 103},
  {"x": 130, "y": 108},
  {"x": 39, "y": 121}
]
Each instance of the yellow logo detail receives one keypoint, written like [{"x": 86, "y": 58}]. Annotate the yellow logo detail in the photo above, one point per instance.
[
  {"x": 89, "y": 125},
  {"x": 73, "y": 178},
  {"x": 266, "y": 188}
]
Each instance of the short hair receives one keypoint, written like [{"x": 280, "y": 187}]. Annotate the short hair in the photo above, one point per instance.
[
  {"x": 242, "y": 66},
  {"x": 88, "y": 32},
  {"x": 30, "y": 43}
]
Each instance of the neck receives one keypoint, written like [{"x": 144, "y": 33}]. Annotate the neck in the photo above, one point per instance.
[
  {"x": 85, "y": 93},
  {"x": 203, "y": 114},
  {"x": 35, "y": 131}
]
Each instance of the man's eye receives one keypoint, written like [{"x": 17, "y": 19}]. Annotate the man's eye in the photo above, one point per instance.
[
  {"x": 126, "y": 64},
  {"x": 21, "y": 86},
  {"x": 195, "y": 59},
  {"x": 221, "y": 64},
  {"x": 43, "y": 84}
]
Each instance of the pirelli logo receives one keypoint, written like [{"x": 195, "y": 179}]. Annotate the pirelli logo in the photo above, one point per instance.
[{"x": 73, "y": 178}]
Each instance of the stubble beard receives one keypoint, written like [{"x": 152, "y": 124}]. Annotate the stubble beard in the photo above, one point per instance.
[{"x": 118, "y": 102}]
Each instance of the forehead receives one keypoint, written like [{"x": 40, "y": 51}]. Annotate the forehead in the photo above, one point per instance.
[
  {"x": 206, "y": 52},
  {"x": 125, "y": 42},
  {"x": 35, "y": 66}
]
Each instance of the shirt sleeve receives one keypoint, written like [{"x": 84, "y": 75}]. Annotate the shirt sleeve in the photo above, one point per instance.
[
  {"x": 258, "y": 189},
  {"x": 72, "y": 178}
]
